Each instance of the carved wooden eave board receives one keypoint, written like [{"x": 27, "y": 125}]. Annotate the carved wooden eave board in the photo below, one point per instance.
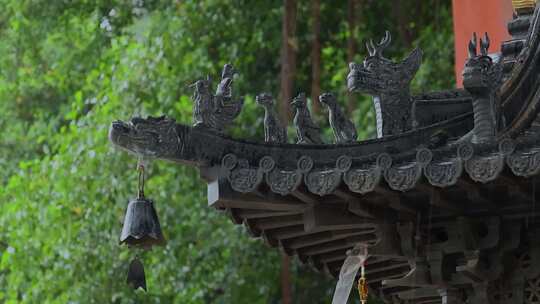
[{"x": 445, "y": 196}]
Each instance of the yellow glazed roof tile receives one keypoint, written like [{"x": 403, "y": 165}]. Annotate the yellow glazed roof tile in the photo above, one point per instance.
[{"x": 523, "y": 5}]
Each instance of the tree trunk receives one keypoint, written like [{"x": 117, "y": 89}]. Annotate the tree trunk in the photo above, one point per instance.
[
  {"x": 316, "y": 55},
  {"x": 288, "y": 70},
  {"x": 288, "y": 59},
  {"x": 286, "y": 295},
  {"x": 352, "y": 7},
  {"x": 403, "y": 17}
]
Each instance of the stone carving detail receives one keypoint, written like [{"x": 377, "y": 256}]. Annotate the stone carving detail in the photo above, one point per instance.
[
  {"x": 243, "y": 178},
  {"x": 266, "y": 164},
  {"x": 215, "y": 111},
  {"x": 524, "y": 163},
  {"x": 424, "y": 156},
  {"x": 283, "y": 182},
  {"x": 388, "y": 82},
  {"x": 323, "y": 182},
  {"x": 445, "y": 173},
  {"x": 305, "y": 163},
  {"x": 306, "y": 130},
  {"x": 384, "y": 161},
  {"x": 487, "y": 167},
  {"x": 465, "y": 151},
  {"x": 507, "y": 146},
  {"x": 343, "y": 163},
  {"x": 365, "y": 180},
  {"x": 229, "y": 161},
  {"x": 273, "y": 128},
  {"x": 344, "y": 129},
  {"x": 482, "y": 78},
  {"x": 405, "y": 176},
  {"x": 484, "y": 169}
]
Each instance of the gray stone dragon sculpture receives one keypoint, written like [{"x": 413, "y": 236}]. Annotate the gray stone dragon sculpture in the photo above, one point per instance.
[{"x": 388, "y": 82}]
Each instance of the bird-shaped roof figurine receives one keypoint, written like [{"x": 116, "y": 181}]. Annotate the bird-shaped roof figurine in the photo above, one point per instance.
[
  {"x": 274, "y": 131},
  {"x": 306, "y": 130},
  {"x": 219, "y": 110}
]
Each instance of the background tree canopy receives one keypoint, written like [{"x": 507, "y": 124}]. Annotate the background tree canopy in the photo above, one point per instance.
[{"x": 69, "y": 68}]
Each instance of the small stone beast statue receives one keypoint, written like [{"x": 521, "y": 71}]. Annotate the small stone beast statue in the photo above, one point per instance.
[
  {"x": 273, "y": 129},
  {"x": 219, "y": 110},
  {"x": 344, "y": 129},
  {"x": 307, "y": 131},
  {"x": 482, "y": 78},
  {"x": 388, "y": 82}
]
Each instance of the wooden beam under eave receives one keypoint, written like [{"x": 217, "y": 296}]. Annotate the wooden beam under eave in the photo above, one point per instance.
[
  {"x": 357, "y": 204},
  {"x": 286, "y": 232},
  {"x": 396, "y": 272},
  {"x": 394, "y": 200},
  {"x": 438, "y": 199},
  {"x": 220, "y": 196},
  {"x": 324, "y": 237},
  {"x": 330, "y": 217},
  {"x": 277, "y": 222},
  {"x": 329, "y": 257},
  {"x": 474, "y": 193},
  {"x": 336, "y": 245},
  {"x": 257, "y": 214},
  {"x": 373, "y": 269},
  {"x": 303, "y": 194}
]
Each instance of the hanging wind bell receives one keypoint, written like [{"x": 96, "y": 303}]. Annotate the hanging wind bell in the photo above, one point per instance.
[{"x": 141, "y": 230}]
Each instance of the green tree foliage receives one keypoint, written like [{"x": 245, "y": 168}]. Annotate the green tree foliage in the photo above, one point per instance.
[{"x": 69, "y": 68}]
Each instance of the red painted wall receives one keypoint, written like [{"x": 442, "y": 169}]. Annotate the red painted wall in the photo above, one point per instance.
[{"x": 479, "y": 16}]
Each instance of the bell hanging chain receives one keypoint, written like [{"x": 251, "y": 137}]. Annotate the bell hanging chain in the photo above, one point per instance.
[{"x": 140, "y": 168}]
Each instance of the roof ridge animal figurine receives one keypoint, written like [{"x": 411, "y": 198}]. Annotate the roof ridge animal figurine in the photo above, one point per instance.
[
  {"x": 307, "y": 131},
  {"x": 215, "y": 111},
  {"x": 273, "y": 129},
  {"x": 344, "y": 129},
  {"x": 388, "y": 82},
  {"x": 482, "y": 77}
]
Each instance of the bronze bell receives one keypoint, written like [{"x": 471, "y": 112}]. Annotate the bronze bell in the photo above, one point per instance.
[{"x": 141, "y": 225}]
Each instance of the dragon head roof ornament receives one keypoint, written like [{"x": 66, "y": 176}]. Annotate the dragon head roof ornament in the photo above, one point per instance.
[
  {"x": 388, "y": 82},
  {"x": 482, "y": 77},
  {"x": 152, "y": 137}
]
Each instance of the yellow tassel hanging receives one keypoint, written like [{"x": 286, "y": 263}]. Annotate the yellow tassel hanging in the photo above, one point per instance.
[{"x": 362, "y": 285}]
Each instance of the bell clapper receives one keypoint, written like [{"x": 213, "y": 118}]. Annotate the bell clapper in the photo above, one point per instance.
[{"x": 136, "y": 276}]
